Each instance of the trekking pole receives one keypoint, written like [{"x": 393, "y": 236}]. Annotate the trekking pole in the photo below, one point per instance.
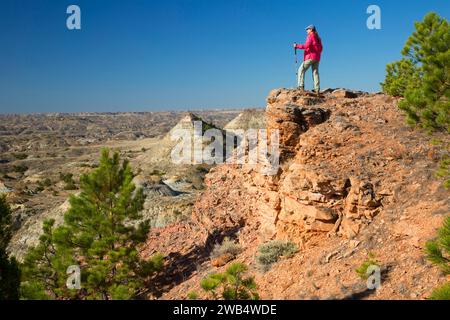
[{"x": 296, "y": 65}]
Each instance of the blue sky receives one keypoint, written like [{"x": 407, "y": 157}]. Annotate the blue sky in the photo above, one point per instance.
[{"x": 138, "y": 55}]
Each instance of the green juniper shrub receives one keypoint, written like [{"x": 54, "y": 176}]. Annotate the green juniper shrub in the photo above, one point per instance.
[
  {"x": 20, "y": 156},
  {"x": 20, "y": 168},
  {"x": 69, "y": 183}
]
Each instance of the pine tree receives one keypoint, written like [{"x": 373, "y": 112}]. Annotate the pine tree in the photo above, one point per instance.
[
  {"x": 422, "y": 77},
  {"x": 441, "y": 293},
  {"x": 444, "y": 170},
  {"x": 44, "y": 269},
  {"x": 9, "y": 269},
  {"x": 400, "y": 75},
  {"x": 438, "y": 252},
  {"x": 234, "y": 285},
  {"x": 101, "y": 234}
]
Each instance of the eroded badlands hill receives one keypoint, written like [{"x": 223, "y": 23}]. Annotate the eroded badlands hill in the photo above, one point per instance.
[
  {"x": 354, "y": 179},
  {"x": 37, "y": 151}
]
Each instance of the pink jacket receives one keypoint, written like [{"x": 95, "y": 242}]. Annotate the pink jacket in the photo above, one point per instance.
[{"x": 313, "y": 47}]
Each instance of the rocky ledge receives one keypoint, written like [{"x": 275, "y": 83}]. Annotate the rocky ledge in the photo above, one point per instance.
[{"x": 313, "y": 191}]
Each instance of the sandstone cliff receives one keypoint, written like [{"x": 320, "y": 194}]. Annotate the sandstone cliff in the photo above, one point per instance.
[{"x": 353, "y": 178}]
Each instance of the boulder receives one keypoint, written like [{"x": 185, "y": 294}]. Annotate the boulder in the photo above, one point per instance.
[
  {"x": 342, "y": 93},
  {"x": 222, "y": 260}
]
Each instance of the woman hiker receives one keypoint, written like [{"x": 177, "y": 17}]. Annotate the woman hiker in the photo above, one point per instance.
[{"x": 313, "y": 50}]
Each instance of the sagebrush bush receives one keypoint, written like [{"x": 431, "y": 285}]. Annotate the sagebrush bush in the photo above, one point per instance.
[
  {"x": 272, "y": 251},
  {"x": 227, "y": 246}
]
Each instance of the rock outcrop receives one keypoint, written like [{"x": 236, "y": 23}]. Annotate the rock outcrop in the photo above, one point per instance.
[
  {"x": 353, "y": 178},
  {"x": 306, "y": 195}
]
